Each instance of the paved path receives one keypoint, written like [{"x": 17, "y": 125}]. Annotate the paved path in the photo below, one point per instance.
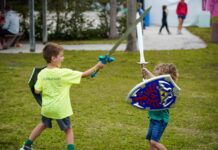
[{"x": 152, "y": 41}]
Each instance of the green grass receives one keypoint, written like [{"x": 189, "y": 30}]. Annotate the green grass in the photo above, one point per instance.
[{"x": 102, "y": 119}]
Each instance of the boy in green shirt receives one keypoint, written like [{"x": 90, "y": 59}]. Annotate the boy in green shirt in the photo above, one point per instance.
[
  {"x": 159, "y": 119},
  {"x": 54, "y": 84}
]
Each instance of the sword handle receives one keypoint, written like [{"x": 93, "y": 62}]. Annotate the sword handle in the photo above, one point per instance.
[
  {"x": 94, "y": 73},
  {"x": 143, "y": 73},
  {"x": 104, "y": 59}
]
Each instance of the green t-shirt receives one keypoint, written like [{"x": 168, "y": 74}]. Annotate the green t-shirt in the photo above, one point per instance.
[
  {"x": 54, "y": 85},
  {"x": 159, "y": 115}
]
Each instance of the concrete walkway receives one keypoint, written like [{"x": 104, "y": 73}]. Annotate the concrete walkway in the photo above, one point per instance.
[{"x": 152, "y": 41}]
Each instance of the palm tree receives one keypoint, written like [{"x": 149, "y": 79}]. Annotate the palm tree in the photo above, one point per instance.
[
  {"x": 113, "y": 14},
  {"x": 131, "y": 17}
]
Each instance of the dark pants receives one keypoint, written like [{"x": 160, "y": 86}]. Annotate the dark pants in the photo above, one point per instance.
[
  {"x": 62, "y": 123},
  {"x": 164, "y": 24},
  {"x": 3, "y": 32}
]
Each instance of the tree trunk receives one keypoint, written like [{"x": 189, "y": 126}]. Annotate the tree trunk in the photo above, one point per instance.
[
  {"x": 113, "y": 15},
  {"x": 57, "y": 30},
  {"x": 58, "y": 7},
  {"x": 131, "y": 17}
]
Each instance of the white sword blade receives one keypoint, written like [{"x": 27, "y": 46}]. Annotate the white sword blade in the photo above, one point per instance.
[{"x": 140, "y": 41}]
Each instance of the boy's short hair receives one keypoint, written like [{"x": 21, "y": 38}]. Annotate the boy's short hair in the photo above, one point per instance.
[
  {"x": 51, "y": 50},
  {"x": 168, "y": 68}
]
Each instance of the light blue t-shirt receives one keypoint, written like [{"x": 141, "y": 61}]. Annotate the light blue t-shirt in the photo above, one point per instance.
[{"x": 11, "y": 22}]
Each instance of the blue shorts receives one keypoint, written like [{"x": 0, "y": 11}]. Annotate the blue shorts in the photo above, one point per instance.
[
  {"x": 155, "y": 130},
  {"x": 62, "y": 123},
  {"x": 182, "y": 17}
]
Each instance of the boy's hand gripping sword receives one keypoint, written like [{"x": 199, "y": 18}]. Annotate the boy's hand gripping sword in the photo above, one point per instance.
[
  {"x": 154, "y": 94},
  {"x": 107, "y": 58}
]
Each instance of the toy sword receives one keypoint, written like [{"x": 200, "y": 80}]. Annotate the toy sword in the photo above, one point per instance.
[
  {"x": 140, "y": 45},
  {"x": 107, "y": 59},
  {"x": 104, "y": 59},
  {"x": 157, "y": 93}
]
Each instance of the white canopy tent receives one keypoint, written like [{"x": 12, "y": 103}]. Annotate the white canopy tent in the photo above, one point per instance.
[{"x": 194, "y": 12}]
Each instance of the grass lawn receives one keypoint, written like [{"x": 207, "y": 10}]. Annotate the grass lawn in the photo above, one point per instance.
[{"x": 102, "y": 119}]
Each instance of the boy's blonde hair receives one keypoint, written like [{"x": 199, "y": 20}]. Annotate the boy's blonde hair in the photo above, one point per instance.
[
  {"x": 168, "y": 68},
  {"x": 51, "y": 49}
]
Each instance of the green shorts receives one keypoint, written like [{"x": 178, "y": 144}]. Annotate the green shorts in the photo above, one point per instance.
[{"x": 62, "y": 123}]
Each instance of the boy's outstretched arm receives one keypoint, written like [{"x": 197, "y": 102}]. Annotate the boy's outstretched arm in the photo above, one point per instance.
[
  {"x": 147, "y": 72},
  {"x": 88, "y": 72}
]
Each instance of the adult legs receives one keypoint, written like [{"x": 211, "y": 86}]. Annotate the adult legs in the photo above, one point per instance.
[
  {"x": 180, "y": 25},
  {"x": 164, "y": 24},
  {"x": 167, "y": 28},
  {"x": 3, "y": 41},
  {"x": 161, "y": 28}
]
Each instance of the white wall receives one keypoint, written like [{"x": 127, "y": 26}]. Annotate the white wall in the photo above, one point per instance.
[{"x": 194, "y": 9}]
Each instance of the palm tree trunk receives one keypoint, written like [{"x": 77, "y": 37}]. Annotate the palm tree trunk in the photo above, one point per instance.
[
  {"x": 113, "y": 14},
  {"x": 131, "y": 17}
]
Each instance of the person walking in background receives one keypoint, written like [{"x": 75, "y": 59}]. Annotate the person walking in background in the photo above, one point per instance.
[
  {"x": 181, "y": 11},
  {"x": 140, "y": 10},
  {"x": 164, "y": 19}
]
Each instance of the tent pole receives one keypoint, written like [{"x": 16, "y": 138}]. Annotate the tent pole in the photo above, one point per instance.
[
  {"x": 44, "y": 13},
  {"x": 32, "y": 27},
  {"x": 4, "y": 3}
]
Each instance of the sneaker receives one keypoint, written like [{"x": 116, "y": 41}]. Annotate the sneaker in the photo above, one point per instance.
[
  {"x": 26, "y": 148},
  {"x": 179, "y": 32}
]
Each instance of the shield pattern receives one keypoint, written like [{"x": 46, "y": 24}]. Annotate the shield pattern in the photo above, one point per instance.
[{"x": 157, "y": 93}]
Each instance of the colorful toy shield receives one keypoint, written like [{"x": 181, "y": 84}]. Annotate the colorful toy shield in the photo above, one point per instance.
[
  {"x": 157, "y": 93},
  {"x": 32, "y": 82}
]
